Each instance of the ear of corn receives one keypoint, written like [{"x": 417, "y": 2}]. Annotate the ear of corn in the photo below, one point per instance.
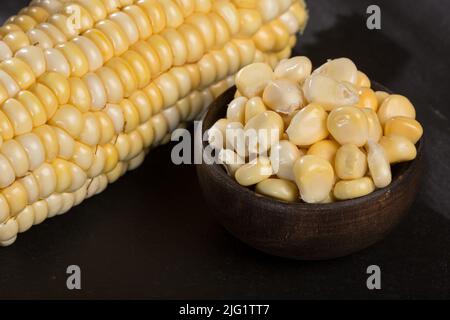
[{"x": 80, "y": 107}]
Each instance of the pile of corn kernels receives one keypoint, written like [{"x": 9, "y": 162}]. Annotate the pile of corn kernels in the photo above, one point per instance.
[{"x": 327, "y": 136}]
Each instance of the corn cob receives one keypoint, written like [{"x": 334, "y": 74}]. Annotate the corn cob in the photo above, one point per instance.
[{"x": 79, "y": 111}]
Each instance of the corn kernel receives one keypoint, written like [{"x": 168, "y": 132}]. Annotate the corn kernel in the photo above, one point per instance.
[
  {"x": 278, "y": 189},
  {"x": 378, "y": 163},
  {"x": 396, "y": 105},
  {"x": 341, "y": 69},
  {"x": 308, "y": 126},
  {"x": 283, "y": 95},
  {"x": 314, "y": 177},
  {"x": 348, "y": 125},
  {"x": 328, "y": 92},
  {"x": 325, "y": 149},
  {"x": 405, "y": 127},
  {"x": 283, "y": 155},
  {"x": 351, "y": 189},
  {"x": 254, "y": 172},
  {"x": 398, "y": 148},
  {"x": 296, "y": 69},
  {"x": 350, "y": 162},
  {"x": 252, "y": 79}
]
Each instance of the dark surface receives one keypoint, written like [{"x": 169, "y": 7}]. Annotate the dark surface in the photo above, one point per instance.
[
  {"x": 300, "y": 230},
  {"x": 150, "y": 234}
]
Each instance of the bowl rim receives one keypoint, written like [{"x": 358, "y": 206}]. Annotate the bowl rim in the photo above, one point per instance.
[{"x": 218, "y": 171}]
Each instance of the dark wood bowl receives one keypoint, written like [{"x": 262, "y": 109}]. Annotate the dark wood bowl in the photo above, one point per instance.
[{"x": 306, "y": 231}]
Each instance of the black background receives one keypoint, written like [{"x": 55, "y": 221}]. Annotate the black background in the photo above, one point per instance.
[{"x": 150, "y": 235}]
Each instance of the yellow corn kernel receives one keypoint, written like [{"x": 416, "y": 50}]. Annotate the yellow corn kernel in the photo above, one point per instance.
[
  {"x": 18, "y": 116},
  {"x": 368, "y": 99},
  {"x": 115, "y": 34},
  {"x": 66, "y": 143},
  {"x": 112, "y": 84},
  {"x": 16, "y": 40},
  {"x": 102, "y": 42},
  {"x": 348, "y": 125},
  {"x": 351, "y": 189},
  {"x": 83, "y": 156},
  {"x": 194, "y": 42},
  {"x": 34, "y": 57},
  {"x": 325, "y": 149},
  {"x": 362, "y": 80},
  {"x": 405, "y": 127},
  {"x": 381, "y": 96},
  {"x": 57, "y": 62},
  {"x": 278, "y": 189},
  {"x": 141, "y": 19},
  {"x": 164, "y": 52},
  {"x": 78, "y": 62},
  {"x": 396, "y": 105},
  {"x": 16, "y": 195},
  {"x": 14, "y": 152},
  {"x": 58, "y": 84},
  {"x": 125, "y": 72},
  {"x": 47, "y": 97},
  {"x": 314, "y": 177},
  {"x": 139, "y": 66},
  {"x": 398, "y": 148},
  {"x": 6, "y": 128},
  {"x": 70, "y": 119},
  {"x": 127, "y": 25},
  {"x": 106, "y": 126},
  {"x": 19, "y": 71},
  {"x": 156, "y": 14},
  {"x": 8, "y": 175},
  {"x": 350, "y": 162},
  {"x": 49, "y": 140},
  {"x": 34, "y": 149}
]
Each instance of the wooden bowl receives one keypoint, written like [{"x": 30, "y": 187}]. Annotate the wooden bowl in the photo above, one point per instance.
[{"x": 300, "y": 230}]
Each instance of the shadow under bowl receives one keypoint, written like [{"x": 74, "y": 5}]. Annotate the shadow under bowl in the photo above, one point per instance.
[{"x": 300, "y": 230}]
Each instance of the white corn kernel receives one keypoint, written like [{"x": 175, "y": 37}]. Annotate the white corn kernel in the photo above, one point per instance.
[
  {"x": 328, "y": 92},
  {"x": 252, "y": 79},
  {"x": 374, "y": 126},
  {"x": 341, "y": 69},
  {"x": 296, "y": 69},
  {"x": 379, "y": 167},
  {"x": 236, "y": 110},
  {"x": 283, "y": 155},
  {"x": 263, "y": 131},
  {"x": 283, "y": 96},
  {"x": 230, "y": 160},
  {"x": 308, "y": 126},
  {"x": 254, "y": 172},
  {"x": 216, "y": 134}
]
